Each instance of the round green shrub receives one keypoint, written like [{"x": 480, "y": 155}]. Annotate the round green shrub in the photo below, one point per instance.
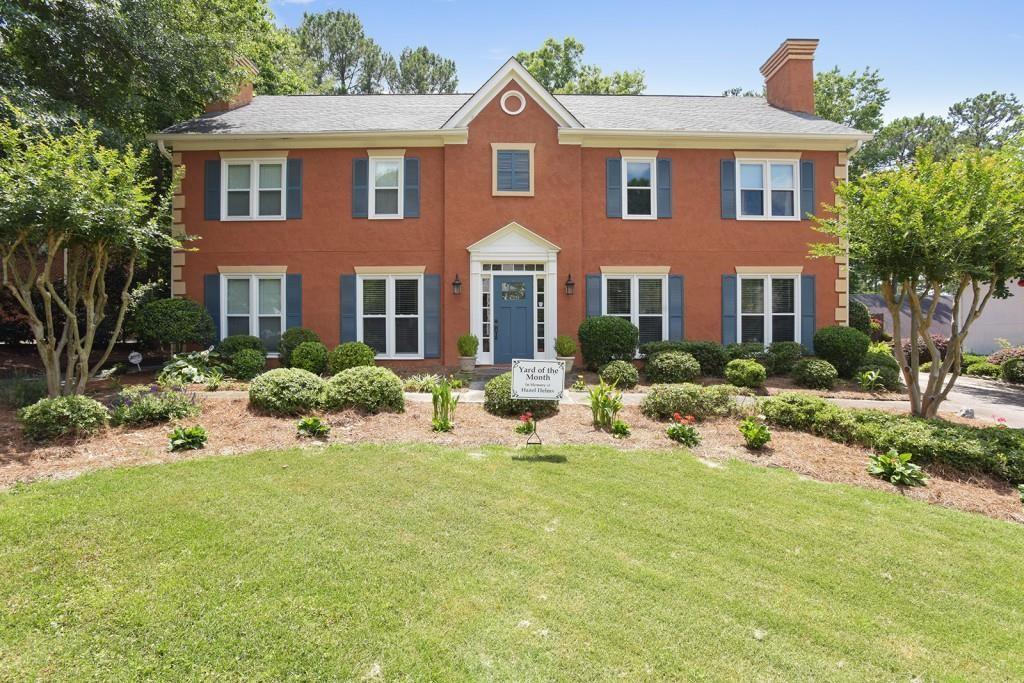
[
  {"x": 286, "y": 391},
  {"x": 350, "y": 355},
  {"x": 672, "y": 367},
  {"x": 371, "y": 389},
  {"x": 814, "y": 373},
  {"x": 747, "y": 350},
  {"x": 52, "y": 418},
  {"x": 247, "y": 363},
  {"x": 983, "y": 369},
  {"x": 498, "y": 400},
  {"x": 665, "y": 400},
  {"x": 565, "y": 346},
  {"x": 467, "y": 345},
  {"x": 606, "y": 338},
  {"x": 782, "y": 356},
  {"x": 889, "y": 377},
  {"x": 860, "y": 317},
  {"x": 231, "y": 345},
  {"x": 309, "y": 355},
  {"x": 710, "y": 354},
  {"x": 843, "y": 347},
  {"x": 885, "y": 360},
  {"x": 622, "y": 374},
  {"x": 174, "y": 321},
  {"x": 1013, "y": 370},
  {"x": 745, "y": 373},
  {"x": 291, "y": 339}
]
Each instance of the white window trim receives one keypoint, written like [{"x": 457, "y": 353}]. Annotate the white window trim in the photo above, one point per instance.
[
  {"x": 254, "y": 188},
  {"x": 374, "y": 160},
  {"x": 767, "y": 314},
  {"x": 389, "y": 313},
  {"x": 766, "y": 198},
  {"x": 634, "y": 297},
  {"x": 510, "y": 147},
  {"x": 653, "y": 161},
  {"x": 254, "y": 314}
]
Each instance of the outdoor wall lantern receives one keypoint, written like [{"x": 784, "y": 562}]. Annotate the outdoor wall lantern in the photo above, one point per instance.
[
  {"x": 570, "y": 286},
  {"x": 456, "y": 285}
]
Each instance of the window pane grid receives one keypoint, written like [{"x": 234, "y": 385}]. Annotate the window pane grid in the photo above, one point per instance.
[
  {"x": 638, "y": 186},
  {"x": 254, "y": 189},
  {"x": 253, "y": 305},
  {"x": 648, "y": 313},
  {"x": 768, "y": 309},
  {"x": 386, "y": 183},
  {"x": 391, "y": 315},
  {"x": 767, "y": 189}
]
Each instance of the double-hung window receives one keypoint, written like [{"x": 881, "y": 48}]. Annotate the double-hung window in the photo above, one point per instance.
[
  {"x": 253, "y": 304},
  {"x": 386, "y": 178},
  {"x": 253, "y": 189},
  {"x": 639, "y": 178},
  {"x": 767, "y": 190},
  {"x": 390, "y": 315},
  {"x": 640, "y": 299},
  {"x": 769, "y": 307}
]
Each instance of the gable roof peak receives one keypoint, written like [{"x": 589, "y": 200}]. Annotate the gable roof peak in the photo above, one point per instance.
[{"x": 512, "y": 70}]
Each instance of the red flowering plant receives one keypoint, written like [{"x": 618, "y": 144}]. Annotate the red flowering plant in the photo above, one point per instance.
[
  {"x": 682, "y": 430},
  {"x": 527, "y": 425}
]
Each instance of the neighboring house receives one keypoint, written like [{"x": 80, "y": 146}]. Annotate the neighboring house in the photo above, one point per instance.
[
  {"x": 407, "y": 220},
  {"x": 1001, "y": 319},
  {"x": 941, "y": 324}
]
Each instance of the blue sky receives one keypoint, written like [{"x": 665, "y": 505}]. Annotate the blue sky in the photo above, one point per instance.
[{"x": 931, "y": 53}]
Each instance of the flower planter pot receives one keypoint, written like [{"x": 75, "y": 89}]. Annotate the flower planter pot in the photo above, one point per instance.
[
  {"x": 568, "y": 360},
  {"x": 467, "y": 363}
]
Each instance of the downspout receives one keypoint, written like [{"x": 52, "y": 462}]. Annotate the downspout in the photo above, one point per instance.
[
  {"x": 167, "y": 155},
  {"x": 163, "y": 150}
]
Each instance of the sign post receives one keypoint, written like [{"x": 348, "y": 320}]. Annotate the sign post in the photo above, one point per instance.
[{"x": 537, "y": 379}]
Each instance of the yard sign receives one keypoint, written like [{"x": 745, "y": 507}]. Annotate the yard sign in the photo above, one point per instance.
[{"x": 538, "y": 379}]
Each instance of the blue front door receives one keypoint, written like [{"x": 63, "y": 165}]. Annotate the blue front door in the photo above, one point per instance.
[{"x": 513, "y": 318}]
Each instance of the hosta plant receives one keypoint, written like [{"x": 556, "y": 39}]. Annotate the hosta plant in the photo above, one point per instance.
[
  {"x": 187, "y": 438},
  {"x": 313, "y": 428},
  {"x": 870, "y": 380},
  {"x": 620, "y": 430},
  {"x": 896, "y": 468},
  {"x": 755, "y": 433}
]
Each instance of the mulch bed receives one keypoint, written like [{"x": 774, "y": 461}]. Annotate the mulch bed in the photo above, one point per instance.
[{"x": 234, "y": 428}]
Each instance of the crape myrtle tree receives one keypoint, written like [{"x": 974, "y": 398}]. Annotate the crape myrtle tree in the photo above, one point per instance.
[
  {"x": 953, "y": 225},
  {"x": 70, "y": 210}
]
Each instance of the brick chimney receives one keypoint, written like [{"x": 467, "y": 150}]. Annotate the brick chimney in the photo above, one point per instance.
[
  {"x": 789, "y": 75},
  {"x": 245, "y": 89}
]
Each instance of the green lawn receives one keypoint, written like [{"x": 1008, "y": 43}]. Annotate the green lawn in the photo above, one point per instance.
[{"x": 425, "y": 563}]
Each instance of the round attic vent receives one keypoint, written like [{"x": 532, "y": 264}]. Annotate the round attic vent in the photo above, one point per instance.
[{"x": 513, "y": 102}]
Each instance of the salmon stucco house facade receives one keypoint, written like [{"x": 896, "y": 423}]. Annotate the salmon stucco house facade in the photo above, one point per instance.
[{"x": 404, "y": 221}]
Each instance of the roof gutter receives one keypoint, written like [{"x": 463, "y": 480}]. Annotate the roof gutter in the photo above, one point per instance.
[
  {"x": 327, "y": 139},
  {"x": 669, "y": 139}
]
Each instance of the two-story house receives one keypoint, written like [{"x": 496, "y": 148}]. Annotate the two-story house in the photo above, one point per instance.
[{"x": 405, "y": 221}]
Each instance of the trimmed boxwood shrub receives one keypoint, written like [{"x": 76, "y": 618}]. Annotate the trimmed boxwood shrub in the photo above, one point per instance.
[
  {"x": 808, "y": 414},
  {"x": 672, "y": 367},
  {"x": 498, "y": 399},
  {"x": 291, "y": 339},
  {"x": 814, "y": 373},
  {"x": 745, "y": 373},
  {"x": 53, "y": 418},
  {"x": 350, "y": 355},
  {"x": 174, "y": 321},
  {"x": 1013, "y": 371},
  {"x": 748, "y": 350},
  {"x": 606, "y": 338},
  {"x": 1002, "y": 355},
  {"x": 889, "y": 377},
  {"x": 287, "y": 391},
  {"x": 229, "y": 346},
  {"x": 247, "y": 363},
  {"x": 664, "y": 400},
  {"x": 860, "y": 317},
  {"x": 884, "y": 360},
  {"x": 622, "y": 374},
  {"x": 983, "y": 369},
  {"x": 367, "y": 388},
  {"x": 710, "y": 354},
  {"x": 310, "y": 355},
  {"x": 843, "y": 347},
  {"x": 782, "y": 356}
]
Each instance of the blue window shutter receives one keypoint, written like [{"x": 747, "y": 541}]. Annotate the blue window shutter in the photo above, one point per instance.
[
  {"x": 613, "y": 187},
  {"x": 807, "y": 305},
  {"x": 664, "y": 188},
  {"x": 348, "y": 309},
  {"x": 728, "y": 188},
  {"x": 431, "y": 316},
  {"x": 411, "y": 204},
  {"x": 293, "y": 300},
  {"x": 211, "y": 190},
  {"x": 360, "y": 187},
  {"x": 211, "y": 298},
  {"x": 593, "y": 296},
  {"x": 728, "y": 309},
  {"x": 807, "y": 205},
  {"x": 294, "y": 188},
  {"x": 513, "y": 167},
  {"x": 676, "y": 305}
]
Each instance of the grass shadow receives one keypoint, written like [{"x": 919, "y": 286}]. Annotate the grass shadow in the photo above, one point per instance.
[{"x": 540, "y": 457}]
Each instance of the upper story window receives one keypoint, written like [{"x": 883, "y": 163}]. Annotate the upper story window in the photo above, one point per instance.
[
  {"x": 386, "y": 182},
  {"x": 767, "y": 190},
  {"x": 640, "y": 299},
  {"x": 639, "y": 178},
  {"x": 512, "y": 169},
  {"x": 769, "y": 308},
  {"x": 254, "y": 189}
]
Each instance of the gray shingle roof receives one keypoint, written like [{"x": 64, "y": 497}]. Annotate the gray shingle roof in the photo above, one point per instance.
[{"x": 339, "y": 113}]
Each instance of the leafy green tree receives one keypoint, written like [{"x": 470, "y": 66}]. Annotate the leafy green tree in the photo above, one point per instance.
[
  {"x": 740, "y": 92},
  {"x": 953, "y": 225},
  {"x": 283, "y": 68},
  {"x": 853, "y": 99},
  {"x": 898, "y": 142},
  {"x": 987, "y": 121},
  {"x": 70, "y": 211},
  {"x": 559, "y": 67},
  {"x": 334, "y": 43},
  {"x": 375, "y": 68},
  {"x": 421, "y": 71}
]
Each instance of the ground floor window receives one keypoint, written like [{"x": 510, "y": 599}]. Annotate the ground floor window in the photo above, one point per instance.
[
  {"x": 390, "y": 314},
  {"x": 769, "y": 308},
  {"x": 640, "y": 299},
  {"x": 254, "y": 305}
]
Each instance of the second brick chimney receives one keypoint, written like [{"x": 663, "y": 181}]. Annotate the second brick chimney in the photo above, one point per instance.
[
  {"x": 245, "y": 91},
  {"x": 789, "y": 75}
]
